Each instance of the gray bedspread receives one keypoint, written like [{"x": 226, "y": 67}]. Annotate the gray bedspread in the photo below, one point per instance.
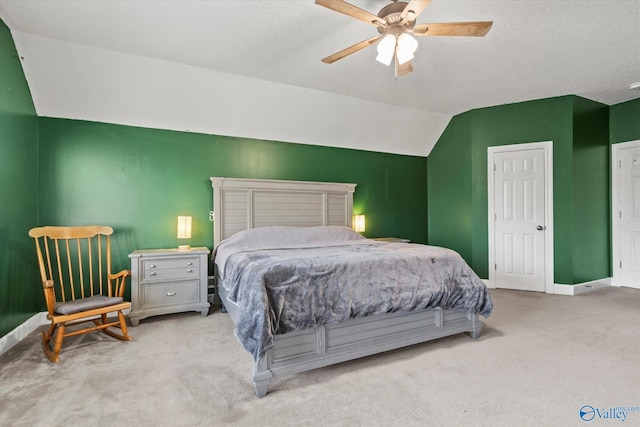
[{"x": 281, "y": 287}]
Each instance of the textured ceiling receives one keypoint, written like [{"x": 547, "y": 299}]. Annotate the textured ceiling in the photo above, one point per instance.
[{"x": 536, "y": 49}]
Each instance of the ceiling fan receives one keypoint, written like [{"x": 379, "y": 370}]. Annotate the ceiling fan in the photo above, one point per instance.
[{"x": 396, "y": 24}]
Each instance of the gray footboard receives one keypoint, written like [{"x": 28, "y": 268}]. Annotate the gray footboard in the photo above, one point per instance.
[
  {"x": 301, "y": 351},
  {"x": 326, "y": 345}
]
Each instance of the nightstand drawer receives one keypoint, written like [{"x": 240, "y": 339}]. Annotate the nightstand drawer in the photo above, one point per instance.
[
  {"x": 171, "y": 273},
  {"x": 171, "y": 294},
  {"x": 161, "y": 264}
]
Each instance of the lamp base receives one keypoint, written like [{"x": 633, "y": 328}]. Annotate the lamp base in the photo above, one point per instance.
[{"x": 184, "y": 247}]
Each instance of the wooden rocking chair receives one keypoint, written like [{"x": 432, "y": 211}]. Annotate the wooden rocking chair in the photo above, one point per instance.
[{"x": 75, "y": 266}]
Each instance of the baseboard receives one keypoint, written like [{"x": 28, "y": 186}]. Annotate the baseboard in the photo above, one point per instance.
[
  {"x": 30, "y": 325},
  {"x": 21, "y": 331},
  {"x": 488, "y": 283},
  {"x": 581, "y": 288}
]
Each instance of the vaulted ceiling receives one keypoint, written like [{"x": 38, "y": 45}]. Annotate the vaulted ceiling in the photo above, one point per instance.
[{"x": 252, "y": 68}]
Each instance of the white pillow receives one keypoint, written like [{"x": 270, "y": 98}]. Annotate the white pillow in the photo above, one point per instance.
[{"x": 287, "y": 236}]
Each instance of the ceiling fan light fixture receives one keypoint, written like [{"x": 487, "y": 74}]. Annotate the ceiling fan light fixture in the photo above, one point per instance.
[
  {"x": 407, "y": 46},
  {"x": 386, "y": 49},
  {"x": 396, "y": 24}
]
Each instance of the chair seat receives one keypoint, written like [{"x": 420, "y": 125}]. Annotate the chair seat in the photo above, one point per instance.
[{"x": 84, "y": 304}]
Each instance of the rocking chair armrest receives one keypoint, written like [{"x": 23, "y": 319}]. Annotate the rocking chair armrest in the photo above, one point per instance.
[
  {"x": 120, "y": 281},
  {"x": 122, "y": 273}
]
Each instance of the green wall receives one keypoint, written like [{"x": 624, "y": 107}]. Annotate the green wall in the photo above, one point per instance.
[
  {"x": 459, "y": 159},
  {"x": 624, "y": 121},
  {"x": 450, "y": 189},
  {"x": 591, "y": 209},
  {"x": 20, "y": 289},
  {"x": 139, "y": 180}
]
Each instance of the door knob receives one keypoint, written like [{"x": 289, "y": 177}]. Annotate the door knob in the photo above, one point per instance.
[{"x": 540, "y": 227}]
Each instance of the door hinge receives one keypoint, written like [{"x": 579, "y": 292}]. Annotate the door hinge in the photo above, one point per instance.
[
  {"x": 620, "y": 264},
  {"x": 494, "y": 167},
  {"x": 495, "y": 266}
]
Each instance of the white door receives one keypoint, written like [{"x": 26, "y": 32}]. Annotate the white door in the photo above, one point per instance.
[
  {"x": 519, "y": 219},
  {"x": 628, "y": 217}
]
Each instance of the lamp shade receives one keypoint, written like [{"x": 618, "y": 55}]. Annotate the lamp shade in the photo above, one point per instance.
[
  {"x": 358, "y": 223},
  {"x": 386, "y": 49},
  {"x": 407, "y": 46},
  {"x": 184, "y": 227}
]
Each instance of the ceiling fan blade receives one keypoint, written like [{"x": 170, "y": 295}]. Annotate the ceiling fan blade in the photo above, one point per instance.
[
  {"x": 403, "y": 69},
  {"x": 413, "y": 9},
  {"x": 352, "y": 11},
  {"x": 472, "y": 29},
  {"x": 351, "y": 49}
]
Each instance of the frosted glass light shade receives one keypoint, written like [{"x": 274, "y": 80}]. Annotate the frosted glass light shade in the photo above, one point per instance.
[
  {"x": 407, "y": 46},
  {"x": 358, "y": 223},
  {"x": 386, "y": 49},
  {"x": 184, "y": 230}
]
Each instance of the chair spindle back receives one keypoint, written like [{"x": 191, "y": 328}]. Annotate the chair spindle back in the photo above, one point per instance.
[{"x": 74, "y": 262}]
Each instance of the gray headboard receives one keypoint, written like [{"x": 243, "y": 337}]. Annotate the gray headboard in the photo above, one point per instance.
[{"x": 240, "y": 204}]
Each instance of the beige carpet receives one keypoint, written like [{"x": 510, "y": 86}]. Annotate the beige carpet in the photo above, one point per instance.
[{"x": 540, "y": 359}]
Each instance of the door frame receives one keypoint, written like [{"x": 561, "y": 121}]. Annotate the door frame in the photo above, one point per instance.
[
  {"x": 615, "y": 207},
  {"x": 547, "y": 146}
]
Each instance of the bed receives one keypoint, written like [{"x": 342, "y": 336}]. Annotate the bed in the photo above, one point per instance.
[{"x": 305, "y": 291}]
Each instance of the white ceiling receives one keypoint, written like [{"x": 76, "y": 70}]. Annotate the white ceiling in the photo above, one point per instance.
[{"x": 536, "y": 49}]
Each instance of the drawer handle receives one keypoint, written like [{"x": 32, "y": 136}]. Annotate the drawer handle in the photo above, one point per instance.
[
  {"x": 153, "y": 273},
  {"x": 170, "y": 293},
  {"x": 189, "y": 263},
  {"x": 152, "y": 266},
  {"x": 189, "y": 271}
]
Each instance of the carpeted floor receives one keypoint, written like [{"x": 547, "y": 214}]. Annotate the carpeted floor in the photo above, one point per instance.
[{"x": 539, "y": 361}]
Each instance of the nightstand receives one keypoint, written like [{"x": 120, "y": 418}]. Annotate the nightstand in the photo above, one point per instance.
[{"x": 167, "y": 281}]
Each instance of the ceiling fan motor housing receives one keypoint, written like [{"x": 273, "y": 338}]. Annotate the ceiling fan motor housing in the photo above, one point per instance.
[{"x": 391, "y": 15}]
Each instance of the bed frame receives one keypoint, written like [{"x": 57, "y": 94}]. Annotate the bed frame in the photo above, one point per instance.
[{"x": 240, "y": 204}]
